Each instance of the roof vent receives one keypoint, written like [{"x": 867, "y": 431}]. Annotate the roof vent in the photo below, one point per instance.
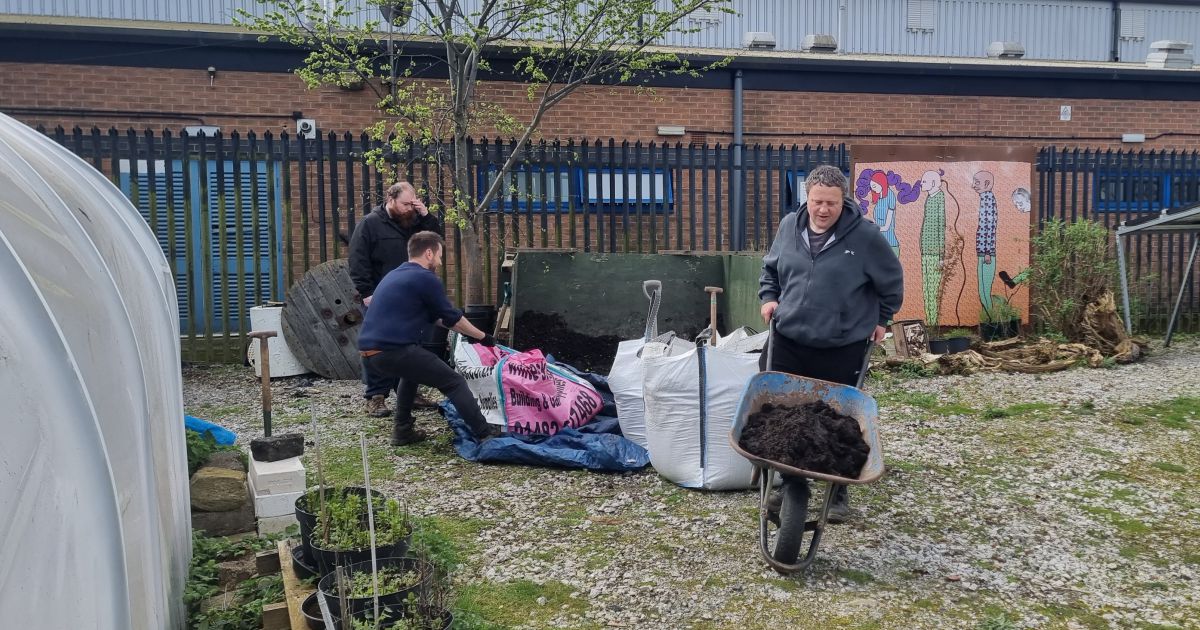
[
  {"x": 759, "y": 40},
  {"x": 819, "y": 43},
  {"x": 1006, "y": 50},
  {"x": 1169, "y": 53}
]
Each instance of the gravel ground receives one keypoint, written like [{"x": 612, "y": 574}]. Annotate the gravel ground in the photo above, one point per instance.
[{"x": 1066, "y": 500}]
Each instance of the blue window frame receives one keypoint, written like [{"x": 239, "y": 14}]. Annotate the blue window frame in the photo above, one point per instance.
[
  {"x": 1131, "y": 191},
  {"x": 530, "y": 188},
  {"x": 614, "y": 189}
]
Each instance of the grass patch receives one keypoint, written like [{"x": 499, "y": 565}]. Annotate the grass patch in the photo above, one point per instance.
[
  {"x": 1177, "y": 413},
  {"x": 1018, "y": 409},
  {"x": 490, "y": 605},
  {"x": 858, "y": 577},
  {"x": 342, "y": 465},
  {"x": 1169, "y": 467},
  {"x": 928, "y": 402},
  {"x": 1122, "y": 523},
  {"x": 1063, "y": 613},
  {"x": 997, "y": 622}
]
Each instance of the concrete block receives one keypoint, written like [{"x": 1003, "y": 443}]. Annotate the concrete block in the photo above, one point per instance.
[
  {"x": 275, "y": 504},
  {"x": 281, "y": 477},
  {"x": 275, "y": 524}
]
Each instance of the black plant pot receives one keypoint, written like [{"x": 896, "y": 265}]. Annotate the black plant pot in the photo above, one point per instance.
[
  {"x": 394, "y": 603},
  {"x": 327, "y": 559},
  {"x": 303, "y": 566},
  {"x": 939, "y": 346},
  {"x": 999, "y": 330},
  {"x": 958, "y": 344},
  {"x": 311, "y": 609},
  {"x": 306, "y": 515}
]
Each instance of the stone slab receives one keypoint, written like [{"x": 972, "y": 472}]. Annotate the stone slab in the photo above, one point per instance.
[{"x": 276, "y": 524}]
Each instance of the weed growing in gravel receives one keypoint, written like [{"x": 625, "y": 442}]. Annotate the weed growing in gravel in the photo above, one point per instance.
[
  {"x": 521, "y": 602},
  {"x": 856, "y": 576},
  {"x": 1018, "y": 409},
  {"x": 1169, "y": 467},
  {"x": 997, "y": 622}
]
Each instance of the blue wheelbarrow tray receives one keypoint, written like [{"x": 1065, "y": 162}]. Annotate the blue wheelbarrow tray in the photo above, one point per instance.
[{"x": 787, "y": 390}]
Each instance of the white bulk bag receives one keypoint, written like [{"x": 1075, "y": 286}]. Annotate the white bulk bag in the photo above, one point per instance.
[
  {"x": 625, "y": 377},
  {"x": 481, "y": 380},
  {"x": 690, "y": 401}
]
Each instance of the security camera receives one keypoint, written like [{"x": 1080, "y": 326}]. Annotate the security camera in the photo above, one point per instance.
[{"x": 306, "y": 128}]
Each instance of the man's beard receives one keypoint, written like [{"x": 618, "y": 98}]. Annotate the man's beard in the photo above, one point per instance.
[{"x": 406, "y": 218}]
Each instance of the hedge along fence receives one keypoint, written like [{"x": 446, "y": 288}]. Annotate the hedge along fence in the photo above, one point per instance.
[
  {"x": 242, "y": 216},
  {"x": 1115, "y": 186}
]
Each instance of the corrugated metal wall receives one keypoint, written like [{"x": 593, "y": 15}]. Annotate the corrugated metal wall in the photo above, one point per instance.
[
  {"x": 1049, "y": 29},
  {"x": 1162, "y": 22}
]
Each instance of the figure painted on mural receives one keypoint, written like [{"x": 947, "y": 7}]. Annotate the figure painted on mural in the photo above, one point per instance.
[
  {"x": 883, "y": 197},
  {"x": 985, "y": 236},
  {"x": 1021, "y": 199},
  {"x": 933, "y": 242},
  {"x": 884, "y": 192}
]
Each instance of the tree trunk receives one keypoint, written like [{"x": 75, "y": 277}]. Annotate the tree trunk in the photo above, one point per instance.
[{"x": 472, "y": 233}]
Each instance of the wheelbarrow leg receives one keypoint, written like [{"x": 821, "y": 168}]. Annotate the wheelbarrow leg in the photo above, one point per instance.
[{"x": 766, "y": 478}]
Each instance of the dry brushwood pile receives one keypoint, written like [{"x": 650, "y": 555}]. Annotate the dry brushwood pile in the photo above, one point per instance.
[
  {"x": 1103, "y": 338},
  {"x": 811, "y": 437}
]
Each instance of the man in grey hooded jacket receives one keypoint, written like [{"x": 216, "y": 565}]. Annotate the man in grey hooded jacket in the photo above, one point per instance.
[{"x": 831, "y": 283}]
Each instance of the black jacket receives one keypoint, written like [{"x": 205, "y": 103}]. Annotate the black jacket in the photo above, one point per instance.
[
  {"x": 379, "y": 245},
  {"x": 837, "y": 296}
]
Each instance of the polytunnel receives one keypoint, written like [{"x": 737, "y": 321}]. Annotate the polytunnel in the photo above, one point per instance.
[{"x": 94, "y": 521}]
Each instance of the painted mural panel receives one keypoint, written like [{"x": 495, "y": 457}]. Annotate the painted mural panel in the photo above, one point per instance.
[{"x": 958, "y": 218}]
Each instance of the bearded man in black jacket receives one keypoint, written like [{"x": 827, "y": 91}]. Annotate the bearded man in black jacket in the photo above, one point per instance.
[{"x": 379, "y": 245}]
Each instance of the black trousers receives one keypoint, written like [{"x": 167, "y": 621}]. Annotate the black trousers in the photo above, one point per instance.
[
  {"x": 837, "y": 365},
  {"x": 414, "y": 365}
]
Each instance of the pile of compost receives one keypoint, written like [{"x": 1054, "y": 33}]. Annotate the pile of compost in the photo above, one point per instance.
[
  {"x": 812, "y": 436},
  {"x": 550, "y": 334}
]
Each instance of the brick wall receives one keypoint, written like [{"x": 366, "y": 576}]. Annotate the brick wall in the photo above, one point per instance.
[{"x": 266, "y": 101}]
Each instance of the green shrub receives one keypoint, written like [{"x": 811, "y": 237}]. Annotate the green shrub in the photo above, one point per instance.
[{"x": 1072, "y": 267}]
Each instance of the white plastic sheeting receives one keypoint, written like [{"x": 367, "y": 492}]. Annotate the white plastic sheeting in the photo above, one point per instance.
[{"x": 94, "y": 523}]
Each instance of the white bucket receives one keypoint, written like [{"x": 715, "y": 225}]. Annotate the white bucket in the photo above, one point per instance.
[{"x": 283, "y": 362}]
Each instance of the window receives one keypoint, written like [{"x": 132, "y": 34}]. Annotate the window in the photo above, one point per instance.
[
  {"x": 797, "y": 193},
  {"x": 922, "y": 15},
  {"x": 529, "y": 188},
  {"x": 612, "y": 190}
]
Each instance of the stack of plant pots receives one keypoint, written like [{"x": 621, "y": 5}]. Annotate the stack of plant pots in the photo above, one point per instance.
[{"x": 335, "y": 544}]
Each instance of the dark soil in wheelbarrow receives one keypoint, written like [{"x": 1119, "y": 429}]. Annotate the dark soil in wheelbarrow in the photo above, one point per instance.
[
  {"x": 550, "y": 334},
  {"x": 812, "y": 436}
]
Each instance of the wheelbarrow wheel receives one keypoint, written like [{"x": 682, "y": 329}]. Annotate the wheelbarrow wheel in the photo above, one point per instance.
[{"x": 793, "y": 514}]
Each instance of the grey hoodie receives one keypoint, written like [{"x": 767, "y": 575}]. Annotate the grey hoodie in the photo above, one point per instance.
[{"x": 837, "y": 296}]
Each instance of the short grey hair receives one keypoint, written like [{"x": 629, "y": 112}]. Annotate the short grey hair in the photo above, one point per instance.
[{"x": 826, "y": 175}]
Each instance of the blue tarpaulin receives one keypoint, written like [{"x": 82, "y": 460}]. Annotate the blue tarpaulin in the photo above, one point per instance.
[
  {"x": 597, "y": 445},
  {"x": 223, "y": 436}
]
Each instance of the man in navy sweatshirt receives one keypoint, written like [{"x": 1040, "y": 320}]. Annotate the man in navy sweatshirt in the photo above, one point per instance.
[{"x": 408, "y": 300}]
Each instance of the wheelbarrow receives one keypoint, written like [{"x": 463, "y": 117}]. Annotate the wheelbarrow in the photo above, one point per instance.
[{"x": 789, "y": 390}]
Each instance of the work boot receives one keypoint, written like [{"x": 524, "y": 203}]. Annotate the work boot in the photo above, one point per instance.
[
  {"x": 405, "y": 434},
  {"x": 421, "y": 402},
  {"x": 839, "y": 510},
  {"x": 377, "y": 406},
  {"x": 490, "y": 432}
]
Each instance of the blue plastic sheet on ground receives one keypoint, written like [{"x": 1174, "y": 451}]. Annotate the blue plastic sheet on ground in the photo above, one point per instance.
[
  {"x": 597, "y": 445},
  {"x": 223, "y": 436}
]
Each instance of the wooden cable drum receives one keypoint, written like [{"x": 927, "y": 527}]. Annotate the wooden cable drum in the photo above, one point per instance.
[{"x": 321, "y": 321}]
